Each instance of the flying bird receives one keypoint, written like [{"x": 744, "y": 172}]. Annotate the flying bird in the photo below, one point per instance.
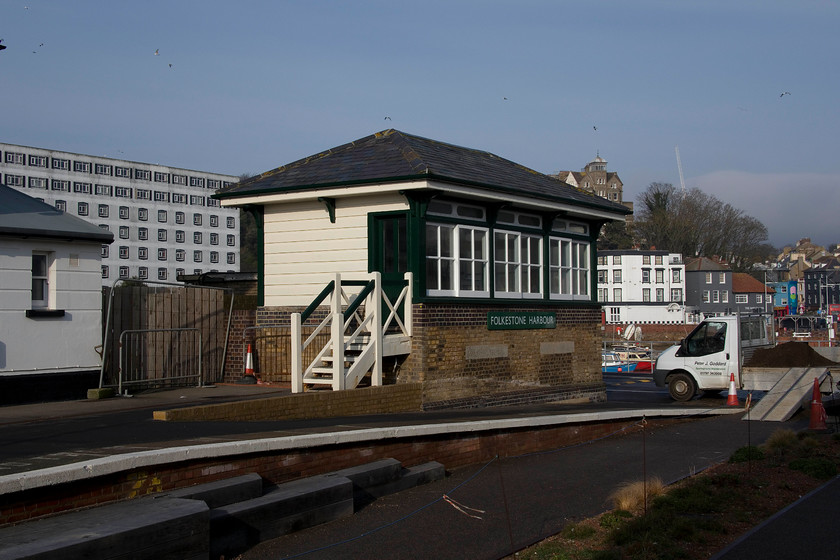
[
  {"x": 170, "y": 65},
  {"x": 594, "y": 127},
  {"x": 2, "y": 46},
  {"x": 157, "y": 52},
  {"x": 387, "y": 118},
  {"x": 784, "y": 93},
  {"x": 505, "y": 98}
]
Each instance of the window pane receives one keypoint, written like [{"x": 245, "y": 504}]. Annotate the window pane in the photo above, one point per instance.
[
  {"x": 39, "y": 265},
  {"x": 465, "y": 245},
  {"x": 465, "y": 270},
  {"x": 554, "y": 281},
  {"x": 445, "y": 241},
  {"x": 446, "y": 280},
  {"x": 39, "y": 289},
  {"x": 479, "y": 238}
]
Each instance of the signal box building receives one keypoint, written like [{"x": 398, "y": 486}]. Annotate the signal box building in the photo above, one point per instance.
[{"x": 493, "y": 263}]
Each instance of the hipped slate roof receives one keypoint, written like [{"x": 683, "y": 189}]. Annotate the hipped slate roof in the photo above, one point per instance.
[
  {"x": 24, "y": 216},
  {"x": 393, "y": 156},
  {"x": 704, "y": 264},
  {"x": 743, "y": 283}
]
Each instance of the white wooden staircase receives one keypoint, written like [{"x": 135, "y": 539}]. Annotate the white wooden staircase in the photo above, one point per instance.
[{"x": 357, "y": 344}]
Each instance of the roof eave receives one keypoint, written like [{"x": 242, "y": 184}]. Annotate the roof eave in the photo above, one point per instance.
[
  {"x": 594, "y": 205},
  {"x": 26, "y": 233}
]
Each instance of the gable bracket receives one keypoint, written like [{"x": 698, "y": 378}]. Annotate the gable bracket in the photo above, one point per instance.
[{"x": 330, "y": 204}]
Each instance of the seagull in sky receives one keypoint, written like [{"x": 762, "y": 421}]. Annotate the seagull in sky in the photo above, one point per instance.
[{"x": 784, "y": 93}]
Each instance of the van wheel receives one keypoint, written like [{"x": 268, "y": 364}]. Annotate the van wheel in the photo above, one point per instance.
[{"x": 681, "y": 387}]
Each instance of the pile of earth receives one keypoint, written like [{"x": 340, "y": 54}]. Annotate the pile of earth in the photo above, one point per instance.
[{"x": 789, "y": 354}]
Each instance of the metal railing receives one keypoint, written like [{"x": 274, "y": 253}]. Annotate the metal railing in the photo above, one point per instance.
[
  {"x": 160, "y": 362},
  {"x": 111, "y": 334}
]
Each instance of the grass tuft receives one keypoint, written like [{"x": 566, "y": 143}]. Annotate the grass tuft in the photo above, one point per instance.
[{"x": 631, "y": 495}]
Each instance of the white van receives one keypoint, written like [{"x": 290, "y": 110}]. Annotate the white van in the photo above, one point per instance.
[{"x": 709, "y": 355}]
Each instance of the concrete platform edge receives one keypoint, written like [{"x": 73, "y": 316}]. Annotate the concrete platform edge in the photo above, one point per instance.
[{"x": 73, "y": 472}]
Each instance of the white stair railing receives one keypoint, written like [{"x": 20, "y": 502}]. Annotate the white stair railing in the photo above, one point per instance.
[{"x": 366, "y": 340}]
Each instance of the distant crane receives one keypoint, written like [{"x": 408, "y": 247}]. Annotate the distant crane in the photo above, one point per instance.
[{"x": 679, "y": 167}]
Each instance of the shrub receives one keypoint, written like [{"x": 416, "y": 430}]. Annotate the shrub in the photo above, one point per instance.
[
  {"x": 781, "y": 443},
  {"x": 613, "y": 519},
  {"x": 818, "y": 467},
  {"x": 747, "y": 453}
]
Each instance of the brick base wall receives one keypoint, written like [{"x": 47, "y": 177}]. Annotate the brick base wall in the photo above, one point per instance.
[
  {"x": 458, "y": 360},
  {"x": 312, "y": 404}
]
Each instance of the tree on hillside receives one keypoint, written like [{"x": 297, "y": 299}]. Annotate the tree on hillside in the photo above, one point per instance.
[
  {"x": 694, "y": 223},
  {"x": 616, "y": 235}
]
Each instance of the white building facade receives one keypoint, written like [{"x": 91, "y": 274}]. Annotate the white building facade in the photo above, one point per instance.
[
  {"x": 50, "y": 301},
  {"x": 164, "y": 222},
  {"x": 641, "y": 287}
]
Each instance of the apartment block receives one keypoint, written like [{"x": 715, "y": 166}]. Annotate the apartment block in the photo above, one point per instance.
[{"x": 164, "y": 222}]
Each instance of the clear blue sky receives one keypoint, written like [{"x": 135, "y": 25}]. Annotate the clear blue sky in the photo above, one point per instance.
[{"x": 255, "y": 85}]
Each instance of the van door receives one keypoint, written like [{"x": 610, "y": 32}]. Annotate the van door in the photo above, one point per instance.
[{"x": 707, "y": 352}]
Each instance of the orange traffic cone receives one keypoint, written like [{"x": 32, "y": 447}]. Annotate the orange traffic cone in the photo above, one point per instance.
[
  {"x": 249, "y": 362},
  {"x": 817, "y": 421},
  {"x": 732, "y": 400}
]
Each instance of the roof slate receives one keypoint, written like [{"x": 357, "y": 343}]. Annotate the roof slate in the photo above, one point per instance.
[
  {"x": 391, "y": 156},
  {"x": 704, "y": 263},
  {"x": 22, "y": 215},
  {"x": 743, "y": 283}
]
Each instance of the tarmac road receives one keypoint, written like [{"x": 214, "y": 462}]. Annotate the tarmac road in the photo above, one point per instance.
[{"x": 521, "y": 500}]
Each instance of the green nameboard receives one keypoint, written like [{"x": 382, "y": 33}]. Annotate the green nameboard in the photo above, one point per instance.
[{"x": 515, "y": 320}]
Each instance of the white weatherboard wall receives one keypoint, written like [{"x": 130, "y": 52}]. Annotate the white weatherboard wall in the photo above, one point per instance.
[
  {"x": 54, "y": 344},
  {"x": 304, "y": 250}
]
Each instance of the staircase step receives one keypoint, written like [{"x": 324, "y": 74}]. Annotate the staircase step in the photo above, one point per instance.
[{"x": 317, "y": 381}]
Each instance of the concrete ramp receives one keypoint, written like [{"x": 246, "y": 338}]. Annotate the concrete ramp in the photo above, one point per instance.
[{"x": 788, "y": 394}]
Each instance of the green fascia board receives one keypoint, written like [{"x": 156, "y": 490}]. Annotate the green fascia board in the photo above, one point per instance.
[{"x": 595, "y": 204}]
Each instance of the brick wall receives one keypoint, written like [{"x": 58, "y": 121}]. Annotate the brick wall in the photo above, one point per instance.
[
  {"x": 462, "y": 363},
  {"x": 312, "y": 404},
  {"x": 237, "y": 343}
]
